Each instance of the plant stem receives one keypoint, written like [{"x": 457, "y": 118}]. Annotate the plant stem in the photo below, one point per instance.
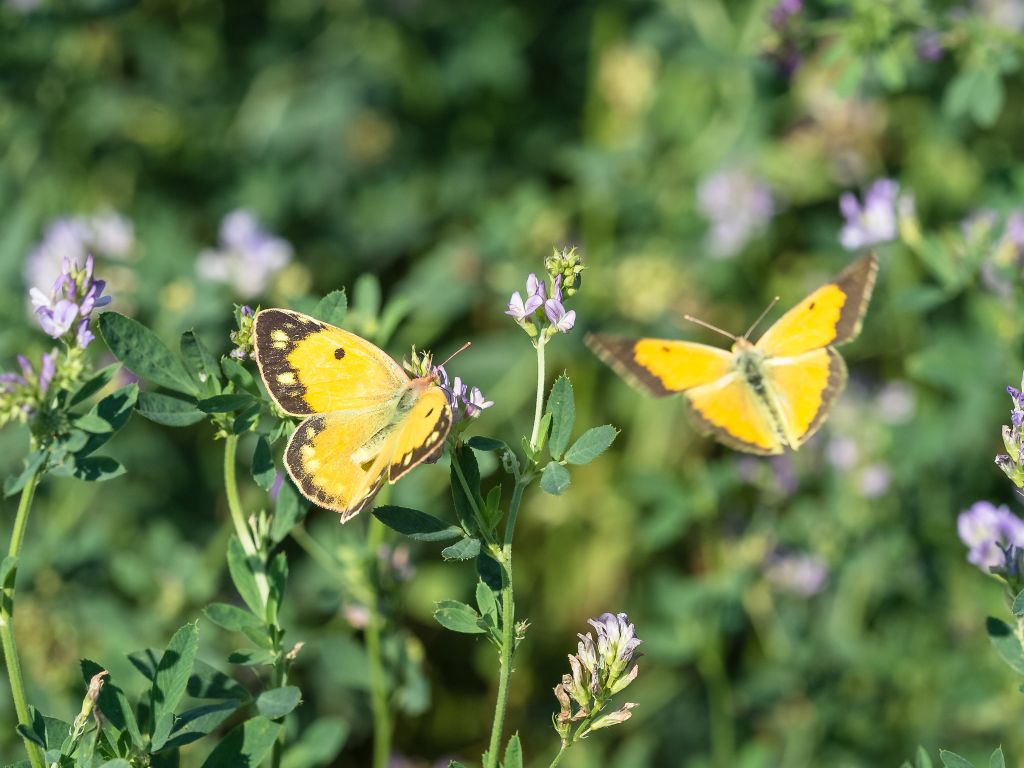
[
  {"x": 539, "y": 407},
  {"x": 471, "y": 497},
  {"x": 562, "y": 751},
  {"x": 238, "y": 518},
  {"x": 378, "y": 680},
  {"x": 17, "y": 682}
]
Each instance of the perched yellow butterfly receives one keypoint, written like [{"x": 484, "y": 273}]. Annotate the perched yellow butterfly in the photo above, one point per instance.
[
  {"x": 763, "y": 397},
  {"x": 366, "y": 420}
]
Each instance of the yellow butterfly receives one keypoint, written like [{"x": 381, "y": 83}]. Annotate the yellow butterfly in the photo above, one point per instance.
[
  {"x": 366, "y": 420},
  {"x": 764, "y": 397}
]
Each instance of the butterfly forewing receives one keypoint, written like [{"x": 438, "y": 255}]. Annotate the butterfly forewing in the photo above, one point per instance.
[
  {"x": 661, "y": 366},
  {"x": 310, "y": 367},
  {"x": 830, "y": 315}
]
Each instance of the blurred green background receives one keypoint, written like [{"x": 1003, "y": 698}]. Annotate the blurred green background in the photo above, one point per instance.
[{"x": 443, "y": 148}]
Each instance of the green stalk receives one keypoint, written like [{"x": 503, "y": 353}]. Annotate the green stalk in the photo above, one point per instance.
[
  {"x": 35, "y": 754},
  {"x": 378, "y": 680},
  {"x": 538, "y": 410},
  {"x": 562, "y": 751},
  {"x": 238, "y": 518},
  {"x": 508, "y": 607}
]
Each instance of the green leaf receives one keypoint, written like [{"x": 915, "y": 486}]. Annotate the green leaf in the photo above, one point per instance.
[
  {"x": 489, "y": 570},
  {"x": 278, "y": 702},
  {"x": 243, "y": 576},
  {"x": 513, "y": 753},
  {"x": 200, "y": 362},
  {"x": 466, "y": 549},
  {"x": 33, "y": 462},
  {"x": 90, "y": 422},
  {"x": 252, "y": 657},
  {"x": 96, "y": 469},
  {"x": 953, "y": 760},
  {"x": 143, "y": 353},
  {"x": 486, "y": 603},
  {"x": 114, "y": 410},
  {"x": 463, "y": 508},
  {"x": 543, "y": 431},
  {"x": 238, "y": 374},
  {"x": 458, "y": 617},
  {"x": 246, "y": 745},
  {"x": 562, "y": 408},
  {"x": 290, "y": 509},
  {"x": 171, "y": 410},
  {"x": 987, "y": 97},
  {"x": 246, "y": 420},
  {"x": 228, "y": 403},
  {"x": 318, "y": 744},
  {"x": 117, "y": 712},
  {"x": 332, "y": 308},
  {"x": 8, "y": 572},
  {"x": 94, "y": 384},
  {"x": 922, "y": 759},
  {"x": 492, "y": 506},
  {"x": 197, "y": 722},
  {"x": 415, "y": 524},
  {"x": 591, "y": 444},
  {"x": 485, "y": 443},
  {"x": 996, "y": 760},
  {"x": 117, "y": 762},
  {"x": 232, "y": 618},
  {"x": 207, "y": 682},
  {"x": 170, "y": 681},
  {"x": 1018, "y": 604},
  {"x": 1006, "y": 644},
  {"x": 277, "y": 575},
  {"x": 554, "y": 479},
  {"x": 263, "y": 470}
]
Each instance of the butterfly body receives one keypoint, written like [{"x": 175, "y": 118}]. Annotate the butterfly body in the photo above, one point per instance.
[
  {"x": 758, "y": 397},
  {"x": 366, "y": 421}
]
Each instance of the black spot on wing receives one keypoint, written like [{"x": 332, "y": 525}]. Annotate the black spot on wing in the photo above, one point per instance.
[
  {"x": 276, "y": 333},
  {"x": 339, "y": 353}
]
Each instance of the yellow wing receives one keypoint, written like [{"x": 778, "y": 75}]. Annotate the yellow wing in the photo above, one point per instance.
[
  {"x": 734, "y": 413},
  {"x": 339, "y": 460},
  {"x": 802, "y": 389},
  {"x": 830, "y": 315},
  {"x": 661, "y": 366},
  {"x": 311, "y": 367},
  {"x": 421, "y": 433}
]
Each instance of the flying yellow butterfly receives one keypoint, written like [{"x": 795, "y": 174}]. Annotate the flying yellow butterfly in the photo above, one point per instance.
[
  {"x": 764, "y": 397},
  {"x": 366, "y": 420}
]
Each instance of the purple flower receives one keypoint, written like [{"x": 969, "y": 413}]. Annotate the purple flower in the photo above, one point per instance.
[
  {"x": 520, "y": 308},
  {"x": 75, "y": 294},
  {"x": 784, "y": 10},
  {"x": 873, "y": 222},
  {"x": 987, "y": 530},
  {"x": 929, "y": 45},
  {"x": 738, "y": 205},
  {"x": 465, "y": 403},
  {"x": 1012, "y": 462},
  {"x": 799, "y": 573},
  {"x": 560, "y": 319},
  {"x": 248, "y": 256}
]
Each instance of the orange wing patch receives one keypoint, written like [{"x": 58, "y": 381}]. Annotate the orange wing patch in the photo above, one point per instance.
[
  {"x": 662, "y": 366},
  {"x": 730, "y": 409},
  {"x": 830, "y": 315},
  {"x": 423, "y": 431},
  {"x": 803, "y": 389},
  {"x": 311, "y": 367}
]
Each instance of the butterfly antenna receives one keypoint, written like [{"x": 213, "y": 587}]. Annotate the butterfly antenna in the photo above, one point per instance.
[
  {"x": 461, "y": 349},
  {"x": 709, "y": 326},
  {"x": 761, "y": 317}
]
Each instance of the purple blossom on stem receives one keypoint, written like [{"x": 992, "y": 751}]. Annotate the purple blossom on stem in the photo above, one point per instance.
[
  {"x": 737, "y": 205},
  {"x": 73, "y": 298},
  {"x": 248, "y": 256},
  {"x": 561, "y": 320},
  {"x": 929, "y": 45},
  {"x": 519, "y": 308},
  {"x": 466, "y": 403},
  {"x": 1012, "y": 462},
  {"x": 783, "y": 11},
  {"x": 988, "y": 531},
  {"x": 873, "y": 222}
]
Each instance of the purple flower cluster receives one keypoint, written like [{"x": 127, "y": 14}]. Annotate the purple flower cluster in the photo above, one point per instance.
[
  {"x": 737, "y": 205},
  {"x": 989, "y": 532},
  {"x": 600, "y": 670},
  {"x": 465, "y": 402},
  {"x": 21, "y": 393},
  {"x": 798, "y": 573},
  {"x": 783, "y": 18},
  {"x": 874, "y": 221},
  {"x": 526, "y": 311},
  {"x": 1012, "y": 462},
  {"x": 74, "y": 296},
  {"x": 248, "y": 256},
  {"x": 107, "y": 234},
  {"x": 242, "y": 338}
]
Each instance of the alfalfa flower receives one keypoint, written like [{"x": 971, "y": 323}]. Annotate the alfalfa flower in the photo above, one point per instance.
[
  {"x": 23, "y": 393},
  {"x": 1012, "y": 462},
  {"x": 737, "y": 205},
  {"x": 989, "y": 532},
  {"x": 242, "y": 337},
  {"x": 248, "y": 256},
  {"x": 875, "y": 220},
  {"x": 66, "y": 311},
  {"x": 542, "y": 312},
  {"x": 601, "y": 668}
]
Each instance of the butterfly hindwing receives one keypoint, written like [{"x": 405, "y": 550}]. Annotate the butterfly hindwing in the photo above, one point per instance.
[
  {"x": 735, "y": 414},
  {"x": 830, "y": 315},
  {"x": 311, "y": 367},
  {"x": 421, "y": 433},
  {"x": 661, "y": 366},
  {"x": 803, "y": 389}
]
